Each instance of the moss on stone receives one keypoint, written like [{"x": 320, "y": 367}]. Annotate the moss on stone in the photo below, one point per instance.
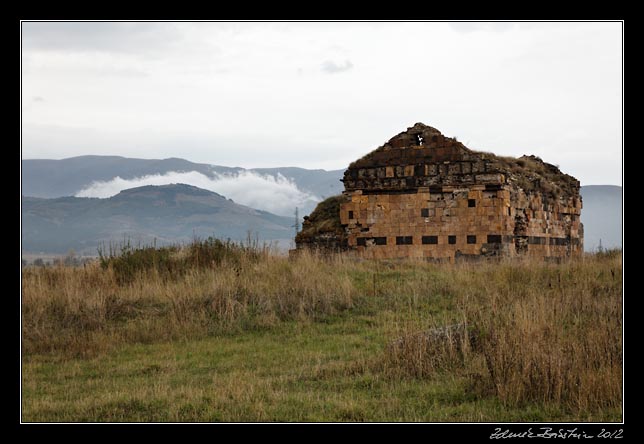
[{"x": 325, "y": 218}]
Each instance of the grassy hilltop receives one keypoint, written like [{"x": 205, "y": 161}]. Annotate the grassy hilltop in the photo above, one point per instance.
[{"x": 222, "y": 332}]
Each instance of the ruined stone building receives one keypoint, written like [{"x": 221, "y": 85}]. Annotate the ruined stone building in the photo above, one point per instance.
[{"x": 424, "y": 195}]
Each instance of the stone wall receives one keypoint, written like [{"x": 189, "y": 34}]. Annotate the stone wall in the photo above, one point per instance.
[
  {"x": 459, "y": 223},
  {"x": 547, "y": 227},
  {"x": 424, "y": 195}
]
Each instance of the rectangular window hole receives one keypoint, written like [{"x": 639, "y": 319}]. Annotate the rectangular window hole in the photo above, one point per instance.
[
  {"x": 451, "y": 240},
  {"x": 471, "y": 203},
  {"x": 430, "y": 240},
  {"x": 404, "y": 240},
  {"x": 493, "y": 238},
  {"x": 471, "y": 239},
  {"x": 559, "y": 241}
]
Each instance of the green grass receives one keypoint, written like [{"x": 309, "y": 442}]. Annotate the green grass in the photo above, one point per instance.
[
  {"x": 317, "y": 371},
  {"x": 312, "y": 372},
  {"x": 308, "y": 341}
]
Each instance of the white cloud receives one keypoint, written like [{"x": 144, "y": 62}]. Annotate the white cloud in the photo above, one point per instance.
[
  {"x": 331, "y": 67},
  {"x": 257, "y": 94},
  {"x": 111, "y": 37},
  {"x": 275, "y": 194}
]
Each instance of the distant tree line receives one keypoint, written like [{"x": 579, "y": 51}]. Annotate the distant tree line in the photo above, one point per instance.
[{"x": 71, "y": 259}]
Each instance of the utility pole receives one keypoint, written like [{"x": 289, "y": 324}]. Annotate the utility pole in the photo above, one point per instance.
[{"x": 297, "y": 220}]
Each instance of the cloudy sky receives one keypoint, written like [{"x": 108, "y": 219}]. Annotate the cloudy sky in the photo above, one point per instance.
[{"x": 320, "y": 95}]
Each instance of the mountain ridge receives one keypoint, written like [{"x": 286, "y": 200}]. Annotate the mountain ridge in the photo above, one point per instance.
[
  {"x": 50, "y": 178},
  {"x": 163, "y": 214},
  {"x": 601, "y": 215}
]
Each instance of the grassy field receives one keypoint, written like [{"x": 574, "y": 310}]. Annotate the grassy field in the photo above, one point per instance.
[{"x": 216, "y": 332}]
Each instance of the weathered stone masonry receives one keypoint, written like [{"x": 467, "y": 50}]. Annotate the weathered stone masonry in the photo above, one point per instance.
[{"x": 424, "y": 195}]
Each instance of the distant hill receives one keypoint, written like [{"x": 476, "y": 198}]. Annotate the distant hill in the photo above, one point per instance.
[
  {"x": 57, "y": 178},
  {"x": 167, "y": 214},
  {"x": 42, "y": 178},
  {"x": 602, "y": 216}
]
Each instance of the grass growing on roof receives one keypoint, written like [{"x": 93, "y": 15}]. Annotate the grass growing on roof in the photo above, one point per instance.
[{"x": 325, "y": 218}]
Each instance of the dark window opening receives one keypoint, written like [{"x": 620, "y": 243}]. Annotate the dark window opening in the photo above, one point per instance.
[
  {"x": 404, "y": 240},
  {"x": 362, "y": 241},
  {"x": 430, "y": 240},
  {"x": 419, "y": 140},
  {"x": 471, "y": 239},
  {"x": 509, "y": 211},
  {"x": 380, "y": 240},
  {"x": 350, "y": 214},
  {"x": 471, "y": 203},
  {"x": 493, "y": 238},
  {"x": 424, "y": 212},
  {"x": 451, "y": 240},
  {"x": 559, "y": 241}
]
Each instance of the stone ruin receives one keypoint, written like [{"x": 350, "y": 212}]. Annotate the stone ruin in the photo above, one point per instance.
[{"x": 424, "y": 195}]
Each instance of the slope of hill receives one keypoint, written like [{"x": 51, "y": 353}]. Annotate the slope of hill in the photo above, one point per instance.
[
  {"x": 56, "y": 178},
  {"x": 602, "y": 216},
  {"x": 167, "y": 214}
]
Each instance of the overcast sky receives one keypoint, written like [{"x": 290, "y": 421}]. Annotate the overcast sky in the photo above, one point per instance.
[{"x": 320, "y": 95}]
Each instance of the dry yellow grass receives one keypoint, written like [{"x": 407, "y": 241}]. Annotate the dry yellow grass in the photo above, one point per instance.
[
  {"x": 546, "y": 335},
  {"x": 550, "y": 334},
  {"x": 87, "y": 310}
]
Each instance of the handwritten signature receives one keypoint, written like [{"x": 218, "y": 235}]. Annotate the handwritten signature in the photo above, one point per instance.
[{"x": 550, "y": 433}]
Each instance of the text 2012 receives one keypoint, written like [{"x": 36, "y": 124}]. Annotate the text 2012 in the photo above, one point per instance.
[{"x": 549, "y": 433}]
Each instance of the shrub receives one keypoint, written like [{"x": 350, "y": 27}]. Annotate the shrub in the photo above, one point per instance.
[
  {"x": 151, "y": 294},
  {"x": 171, "y": 262}
]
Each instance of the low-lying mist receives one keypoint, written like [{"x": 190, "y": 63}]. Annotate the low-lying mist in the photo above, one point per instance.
[{"x": 276, "y": 194}]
